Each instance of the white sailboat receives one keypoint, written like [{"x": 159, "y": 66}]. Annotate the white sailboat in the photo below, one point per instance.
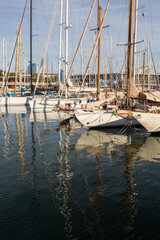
[{"x": 112, "y": 118}]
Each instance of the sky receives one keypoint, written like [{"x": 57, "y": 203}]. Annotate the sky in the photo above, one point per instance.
[{"x": 117, "y": 17}]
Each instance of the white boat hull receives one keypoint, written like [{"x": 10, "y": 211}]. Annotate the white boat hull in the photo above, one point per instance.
[
  {"x": 101, "y": 119},
  {"x": 150, "y": 121},
  {"x": 41, "y": 105},
  {"x": 13, "y": 109},
  {"x": 49, "y": 103},
  {"x": 14, "y": 101}
]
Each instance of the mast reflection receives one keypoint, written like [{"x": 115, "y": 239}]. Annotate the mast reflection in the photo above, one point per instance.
[
  {"x": 8, "y": 146},
  {"x": 20, "y": 134},
  {"x": 64, "y": 176}
]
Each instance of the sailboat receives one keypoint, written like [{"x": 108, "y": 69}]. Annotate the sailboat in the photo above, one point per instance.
[{"x": 114, "y": 117}]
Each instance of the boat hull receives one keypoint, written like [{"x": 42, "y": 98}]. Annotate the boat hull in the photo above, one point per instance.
[
  {"x": 150, "y": 121},
  {"x": 14, "y": 101},
  {"x": 101, "y": 119}
]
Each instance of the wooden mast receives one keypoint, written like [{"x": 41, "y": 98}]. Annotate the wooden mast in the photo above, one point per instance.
[
  {"x": 20, "y": 54},
  {"x": 95, "y": 45},
  {"x": 42, "y": 75},
  {"x": 111, "y": 64},
  {"x": 99, "y": 49},
  {"x": 143, "y": 78},
  {"x": 130, "y": 41},
  {"x": 111, "y": 74},
  {"x": 126, "y": 65},
  {"x": 135, "y": 39},
  {"x": 16, "y": 74}
]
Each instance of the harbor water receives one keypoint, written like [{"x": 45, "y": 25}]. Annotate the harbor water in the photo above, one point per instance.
[{"x": 66, "y": 182}]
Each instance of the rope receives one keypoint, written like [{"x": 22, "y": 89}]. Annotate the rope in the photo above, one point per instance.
[{"x": 125, "y": 127}]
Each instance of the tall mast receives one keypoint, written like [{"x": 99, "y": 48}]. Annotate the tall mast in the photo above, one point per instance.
[
  {"x": 20, "y": 53},
  {"x": 99, "y": 50},
  {"x": 31, "y": 45},
  {"x": 6, "y": 56},
  {"x": 148, "y": 63},
  {"x": 126, "y": 66},
  {"x": 111, "y": 65},
  {"x": 16, "y": 73},
  {"x": 47, "y": 70},
  {"x": 66, "y": 62},
  {"x": 60, "y": 44},
  {"x": 3, "y": 57},
  {"x": 130, "y": 41},
  {"x": 89, "y": 68},
  {"x": 24, "y": 70},
  {"x": 135, "y": 39},
  {"x": 81, "y": 61},
  {"x": 106, "y": 72},
  {"x": 143, "y": 77}
]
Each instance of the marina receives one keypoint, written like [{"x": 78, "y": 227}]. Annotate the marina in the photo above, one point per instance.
[{"x": 79, "y": 120}]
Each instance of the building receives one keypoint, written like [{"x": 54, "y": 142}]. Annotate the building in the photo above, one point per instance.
[{"x": 34, "y": 69}]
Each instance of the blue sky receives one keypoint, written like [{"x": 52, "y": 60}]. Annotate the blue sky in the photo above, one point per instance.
[{"x": 117, "y": 18}]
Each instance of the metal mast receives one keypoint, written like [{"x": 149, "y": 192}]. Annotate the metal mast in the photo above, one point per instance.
[
  {"x": 60, "y": 44},
  {"x": 66, "y": 62},
  {"x": 3, "y": 57},
  {"x": 31, "y": 45}
]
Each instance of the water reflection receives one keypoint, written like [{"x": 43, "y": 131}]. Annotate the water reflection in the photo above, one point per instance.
[
  {"x": 21, "y": 151},
  {"x": 92, "y": 220},
  {"x": 43, "y": 116},
  {"x": 94, "y": 141},
  {"x": 149, "y": 151},
  {"x": 7, "y": 138},
  {"x": 13, "y": 109},
  {"x": 130, "y": 194},
  {"x": 82, "y": 171},
  {"x": 64, "y": 176},
  {"x": 138, "y": 148}
]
